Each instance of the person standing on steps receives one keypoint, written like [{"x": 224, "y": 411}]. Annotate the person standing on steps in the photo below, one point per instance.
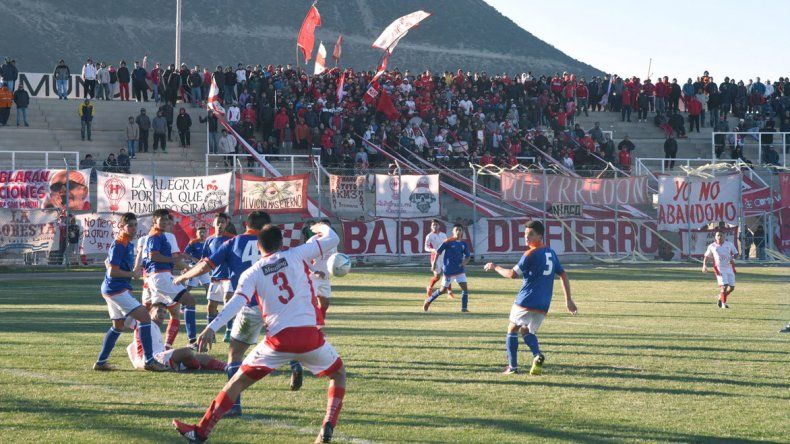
[
  {"x": 132, "y": 136},
  {"x": 183, "y": 124},
  {"x": 9, "y": 73},
  {"x": 89, "y": 73},
  {"x": 87, "y": 113},
  {"x": 159, "y": 126},
  {"x": 144, "y": 125},
  {"x": 6, "y": 100},
  {"x": 124, "y": 77},
  {"x": 22, "y": 101},
  {"x": 62, "y": 74}
]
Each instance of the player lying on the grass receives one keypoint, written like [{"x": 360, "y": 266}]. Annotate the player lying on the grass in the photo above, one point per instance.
[
  {"x": 320, "y": 274},
  {"x": 178, "y": 359},
  {"x": 281, "y": 283},
  {"x": 456, "y": 256},
  {"x": 433, "y": 240},
  {"x": 159, "y": 262},
  {"x": 538, "y": 267},
  {"x": 219, "y": 288},
  {"x": 723, "y": 253},
  {"x": 116, "y": 290},
  {"x": 193, "y": 253}
]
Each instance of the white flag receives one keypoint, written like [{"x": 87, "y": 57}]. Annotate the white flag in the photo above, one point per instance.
[
  {"x": 398, "y": 29},
  {"x": 320, "y": 59},
  {"x": 214, "y": 102}
]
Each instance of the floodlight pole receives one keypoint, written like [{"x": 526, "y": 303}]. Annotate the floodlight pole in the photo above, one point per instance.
[{"x": 178, "y": 34}]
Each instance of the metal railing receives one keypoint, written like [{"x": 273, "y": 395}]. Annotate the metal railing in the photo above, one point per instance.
[
  {"x": 741, "y": 137},
  {"x": 228, "y": 161},
  {"x": 56, "y": 157}
]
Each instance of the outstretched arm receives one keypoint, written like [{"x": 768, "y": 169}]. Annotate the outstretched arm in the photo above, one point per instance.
[
  {"x": 508, "y": 273},
  {"x": 566, "y": 289},
  {"x": 201, "y": 268}
]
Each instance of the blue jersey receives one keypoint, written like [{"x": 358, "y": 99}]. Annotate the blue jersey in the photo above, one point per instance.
[
  {"x": 157, "y": 241},
  {"x": 455, "y": 252},
  {"x": 238, "y": 254},
  {"x": 211, "y": 245},
  {"x": 538, "y": 266},
  {"x": 195, "y": 249},
  {"x": 121, "y": 256}
]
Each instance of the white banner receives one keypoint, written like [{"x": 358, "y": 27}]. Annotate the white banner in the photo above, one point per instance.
[
  {"x": 689, "y": 202},
  {"x": 700, "y": 239},
  {"x": 410, "y": 195},
  {"x": 27, "y": 231},
  {"x": 347, "y": 194},
  {"x": 122, "y": 193},
  {"x": 98, "y": 231}
]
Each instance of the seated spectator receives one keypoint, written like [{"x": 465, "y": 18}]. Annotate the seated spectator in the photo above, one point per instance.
[
  {"x": 110, "y": 164},
  {"x": 677, "y": 124},
  {"x": 567, "y": 161},
  {"x": 124, "y": 162},
  {"x": 770, "y": 156}
]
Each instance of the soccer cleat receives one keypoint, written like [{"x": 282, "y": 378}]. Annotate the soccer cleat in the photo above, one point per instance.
[
  {"x": 104, "y": 367},
  {"x": 510, "y": 371},
  {"x": 450, "y": 294},
  {"x": 719, "y": 303},
  {"x": 227, "y": 336},
  {"x": 234, "y": 412},
  {"x": 464, "y": 310},
  {"x": 537, "y": 364},
  {"x": 297, "y": 376},
  {"x": 426, "y": 304},
  {"x": 188, "y": 431},
  {"x": 193, "y": 345},
  {"x": 786, "y": 329},
  {"x": 325, "y": 435},
  {"x": 156, "y": 366},
  {"x": 724, "y": 305}
]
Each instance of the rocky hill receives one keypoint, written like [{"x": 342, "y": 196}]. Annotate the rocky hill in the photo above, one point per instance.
[{"x": 468, "y": 34}]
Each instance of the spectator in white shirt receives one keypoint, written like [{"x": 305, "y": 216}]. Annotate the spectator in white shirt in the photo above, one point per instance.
[
  {"x": 234, "y": 115},
  {"x": 227, "y": 145},
  {"x": 89, "y": 72}
]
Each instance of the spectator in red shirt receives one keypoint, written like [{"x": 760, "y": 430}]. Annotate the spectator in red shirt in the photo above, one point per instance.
[
  {"x": 650, "y": 89},
  {"x": 625, "y": 159},
  {"x": 694, "y": 109},
  {"x": 625, "y": 107},
  {"x": 582, "y": 95}
]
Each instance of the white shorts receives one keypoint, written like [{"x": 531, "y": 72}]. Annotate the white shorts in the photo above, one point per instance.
[
  {"x": 162, "y": 289},
  {"x": 726, "y": 277},
  {"x": 120, "y": 304},
  {"x": 458, "y": 278},
  {"x": 321, "y": 362},
  {"x": 218, "y": 289},
  {"x": 322, "y": 287},
  {"x": 439, "y": 268},
  {"x": 247, "y": 325},
  {"x": 203, "y": 279},
  {"x": 524, "y": 318}
]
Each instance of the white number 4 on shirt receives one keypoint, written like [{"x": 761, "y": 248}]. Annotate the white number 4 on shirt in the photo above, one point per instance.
[{"x": 251, "y": 253}]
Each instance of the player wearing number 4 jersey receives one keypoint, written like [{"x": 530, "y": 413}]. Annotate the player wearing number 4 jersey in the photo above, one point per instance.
[
  {"x": 723, "y": 254},
  {"x": 281, "y": 283},
  {"x": 538, "y": 267}
]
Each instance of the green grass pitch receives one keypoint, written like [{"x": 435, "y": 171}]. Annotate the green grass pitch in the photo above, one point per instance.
[{"x": 649, "y": 358}]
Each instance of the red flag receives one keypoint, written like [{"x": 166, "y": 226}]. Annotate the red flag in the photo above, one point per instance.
[
  {"x": 341, "y": 83},
  {"x": 371, "y": 94},
  {"x": 386, "y": 107},
  {"x": 338, "y": 50},
  {"x": 382, "y": 66},
  {"x": 306, "y": 39}
]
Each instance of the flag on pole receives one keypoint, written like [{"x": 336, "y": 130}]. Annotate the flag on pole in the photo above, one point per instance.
[
  {"x": 341, "y": 83},
  {"x": 320, "y": 59},
  {"x": 306, "y": 39},
  {"x": 338, "y": 50},
  {"x": 214, "y": 103},
  {"x": 386, "y": 107},
  {"x": 398, "y": 29},
  {"x": 371, "y": 93},
  {"x": 382, "y": 66}
]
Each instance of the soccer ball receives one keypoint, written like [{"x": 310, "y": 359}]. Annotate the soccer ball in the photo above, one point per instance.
[{"x": 339, "y": 264}]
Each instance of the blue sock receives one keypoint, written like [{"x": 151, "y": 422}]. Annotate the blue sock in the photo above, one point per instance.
[
  {"x": 434, "y": 295},
  {"x": 512, "y": 350},
  {"x": 144, "y": 330},
  {"x": 464, "y": 299},
  {"x": 189, "y": 318},
  {"x": 210, "y": 318},
  {"x": 532, "y": 342},
  {"x": 231, "y": 370},
  {"x": 108, "y": 345}
]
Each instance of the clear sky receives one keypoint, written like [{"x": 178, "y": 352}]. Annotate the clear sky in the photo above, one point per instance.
[{"x": 741, "y": 39}]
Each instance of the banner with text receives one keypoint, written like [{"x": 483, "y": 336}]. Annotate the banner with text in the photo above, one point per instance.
[
  {"x": 407, "y": 196},
  {"x": 347, "y": 194},
  {"x": 700, "y": 239},
  {"x": 531, "y": 187},
  {"x": 380, "y": 237},
  {"x": 690, "y": 201},
  {"x": 136, "y": 193},
  {"x": 275, "y": 195},
  {"x": 44, "y": 189},
  {"x": 27, "y": 231}
]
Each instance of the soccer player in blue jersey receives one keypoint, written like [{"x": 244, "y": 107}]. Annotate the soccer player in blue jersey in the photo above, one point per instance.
[
  {"x": 159, "y": 263},
  {"x": 538, "y": 267},
  {"x": 193, "y": 253},
  {"x": 116, "y": 290},
  {"x": 219, "y": 287},
  {"x": 238, "y": 254},
  {"x": 456, "y": 256}
]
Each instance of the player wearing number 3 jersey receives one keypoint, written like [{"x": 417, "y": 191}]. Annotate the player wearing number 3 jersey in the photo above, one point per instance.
[{"x": 281, "y": 283}]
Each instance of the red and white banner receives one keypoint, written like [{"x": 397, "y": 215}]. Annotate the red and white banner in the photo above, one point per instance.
[
  {"x": 43, "y": 189},
  {"x": 530, "y": 187},
  {"x": 97, "y": 231},
  {"x": 275, "y": 195},
  {"x": 783, "y": 243},
  {"x": 574, "y": 236},
  {"x": 136, "y": 193},
  {"x": 688, "y": 201},
  {"x": 338, "y": 51},
  {"x": 214, "y": 102},
  {"x": 700, "y": 239},
  {"x": 27, "y": 231},
  {"x": 380, "y": 237},
  {"x": 320, "y": 60},
  {"x": 347, "y": 194},
  {"x": 396, "y": 30},
  {"x": 407, "y": 196},
  {"x": 784, "y": 185}
]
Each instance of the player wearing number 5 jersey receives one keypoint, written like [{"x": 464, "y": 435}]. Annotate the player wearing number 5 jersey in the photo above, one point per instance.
[
  {"x": 237, "y": 254},
  {"x": 281, "y": 283},
  {"x": 538, "y": 267}
]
